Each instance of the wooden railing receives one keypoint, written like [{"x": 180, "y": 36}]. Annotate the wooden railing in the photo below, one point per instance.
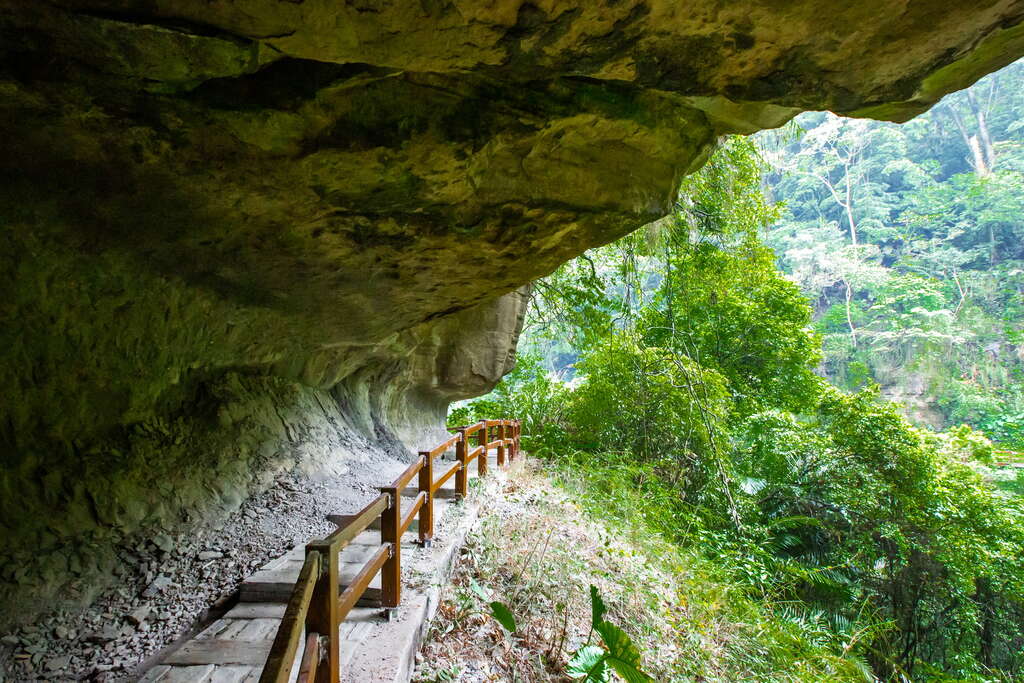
[{"x": 318, "y": 604}]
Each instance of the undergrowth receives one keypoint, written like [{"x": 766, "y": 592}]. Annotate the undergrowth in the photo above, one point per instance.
[{"x": 538, "y": 550}]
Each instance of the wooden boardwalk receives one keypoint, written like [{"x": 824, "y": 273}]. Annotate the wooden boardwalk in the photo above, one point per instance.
[{"x": 234, "y": 648}]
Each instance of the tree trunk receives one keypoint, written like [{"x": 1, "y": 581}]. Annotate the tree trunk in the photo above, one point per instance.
[
  {"x": 984, "y": 138},
  {"x": 977, "y": 157},
  {"x": 849, "y": 210},
  {"x": 849, "y": 317},
  {"x": 986, "y": 633}
]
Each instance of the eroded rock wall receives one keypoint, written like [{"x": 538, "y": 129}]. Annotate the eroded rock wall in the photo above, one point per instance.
[
  {"x": 66, "y": 514},
  {"x": 244, "y": 237}
]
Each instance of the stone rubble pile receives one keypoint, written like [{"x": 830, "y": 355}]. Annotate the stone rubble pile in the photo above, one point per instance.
[{"x": 169, "y": 583}]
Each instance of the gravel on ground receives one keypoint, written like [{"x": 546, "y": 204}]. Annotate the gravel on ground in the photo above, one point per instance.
[{"x": 170, "y": 585}]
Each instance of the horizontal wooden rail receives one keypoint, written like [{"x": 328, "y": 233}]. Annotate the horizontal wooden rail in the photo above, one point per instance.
[
  {"x": 446, "y": 446},
  {"x": 405, "y": 477},
  {"x": 282, "y": 653},
  {"x": 358, "y": 524},
  {"x": 318, "y": 605},
  {"x": 448, "y": 474},
  {"x": 350, "y": 596},
  {"x": 310, "y": 659},
  {"x": 421, "y": 499}
]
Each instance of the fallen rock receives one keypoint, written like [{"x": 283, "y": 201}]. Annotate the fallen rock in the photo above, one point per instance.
[
  {"x": 139, "y": 615},
  {"x": 164, "y": 542},
  {"x": 59, "y": 663},
  {"x": 159, "y": 584},
  {"x": 105, "y": 635},
  {"x": 210, "y": 555}
]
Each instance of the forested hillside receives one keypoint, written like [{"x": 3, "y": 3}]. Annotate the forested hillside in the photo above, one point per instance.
[
  {"x": 715, "y": 379},
  {"x": 909, "y": 242}
]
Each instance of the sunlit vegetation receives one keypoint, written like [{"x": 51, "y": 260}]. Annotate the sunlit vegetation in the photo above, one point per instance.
[{"x": 673, "y": 378}]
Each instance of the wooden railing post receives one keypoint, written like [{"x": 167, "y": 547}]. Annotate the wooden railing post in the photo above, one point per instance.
[
  {"x": 462, "y": 476},
  {"x": 481, "y": 440},
  {"x": 501, "y": 444},
  {"x": 391, "y": 572},
  {"x": 427, "y": 511},
  {"x": 316, "y": 603},
  {"x": 508, "y": 437},
  {"x": 322, "y": 617}
]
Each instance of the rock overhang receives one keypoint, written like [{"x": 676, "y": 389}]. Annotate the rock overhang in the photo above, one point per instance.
[{"x": 203, "y": 201}]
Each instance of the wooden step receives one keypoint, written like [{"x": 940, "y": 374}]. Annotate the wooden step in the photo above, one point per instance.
[
  {"x": 344, "y": 520},
  {"x": 275, "y": 582},
  {"x": 442, "y": 493},
  {"x": 214, "y": 651}
]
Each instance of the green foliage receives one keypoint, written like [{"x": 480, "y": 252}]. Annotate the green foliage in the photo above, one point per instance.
[
  {"x": 729, "y": 310},
  {"x": 528, "y": 391},
  {"x": 878, "y": 550},
  {"x": 908, "y": 239},
  {"x": 647, "y": 402},
  {"x": 592, "y": 663},
  {"x": 503, "y": 615}
]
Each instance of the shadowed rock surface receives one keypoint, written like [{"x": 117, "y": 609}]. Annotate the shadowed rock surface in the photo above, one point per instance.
[{"x": 240, "y": 237}]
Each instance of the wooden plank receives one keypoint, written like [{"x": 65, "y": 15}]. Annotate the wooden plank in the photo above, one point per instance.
[
  {"x": 413, "y": 491},
  {"x": 257, "y": 629},
  {"x": 188, "y": 674},
  {"x": 405, "y": 477},
  {"x": 391, "y": 574},
  {"x": 298, "y": 553},
  {"x": 213, "y": 651},
  {"x": 265, "y": 592},
  {"x": 233, "y": 629},
  {"x": 233, "y": 674},
  {"x": 439, "y": 449},
  {"x": 281, "y": 561},
  {"x": 340, "y": 520},
  {"x": 345, "y": 535},
  {"x": 280, "y": 592},
  {"x": 155, "y": 674},
  {"x": 323, "y": 617},
  {"x": 426, "y": 521},
  {"x": 213, "y": 629},
  {"x": 310, "y": 659},
  {"x": 345, "y": 520},
  {"x": 270, "y": 574},
  {"x": 256, "y": 610},
  {"x": 271, "y": 585}
]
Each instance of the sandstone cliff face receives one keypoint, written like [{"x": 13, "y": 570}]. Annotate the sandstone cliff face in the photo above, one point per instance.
[{"x": 240, "y": 235}]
